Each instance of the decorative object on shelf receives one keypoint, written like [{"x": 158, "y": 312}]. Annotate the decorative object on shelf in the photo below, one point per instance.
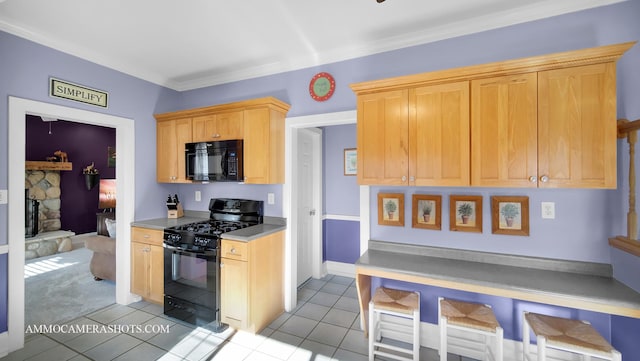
[
  {"x": 465, "y": 213},
  {"x": 111, "y": 157},
  {"x": 510, "y": 215},
  {"x": 91, "y": 176},
  {"x": 58, "y": 156},
  {"x": 427, "y": 210},
  {"x": 350, "y": 161},
  {"x": 391, "y": 209},
  {"x": 322, "y": 86}
]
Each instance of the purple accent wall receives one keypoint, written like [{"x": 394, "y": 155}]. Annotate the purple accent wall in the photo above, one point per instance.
[
  {"x": 4, "y": 259},
  {"x": 84, "y": 144},
  {"x": 341, "y": 241}
]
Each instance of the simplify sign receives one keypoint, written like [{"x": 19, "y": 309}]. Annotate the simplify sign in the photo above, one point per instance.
[{"x": 66, "y": 90}]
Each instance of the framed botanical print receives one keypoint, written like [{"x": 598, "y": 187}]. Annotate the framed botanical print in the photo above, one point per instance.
[
  {"x": 510, "y": 215},
  {"x": 465, "y": 213},
  {"x": 350, "y": 161},
  {"x": 391, "y": 209},
  {"x": 426, "y": 211}
]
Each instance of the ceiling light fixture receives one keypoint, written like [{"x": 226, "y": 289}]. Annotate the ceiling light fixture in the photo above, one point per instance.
[
  {"x": 49, "y": 120},
  {"x": 380, "y": 1}
]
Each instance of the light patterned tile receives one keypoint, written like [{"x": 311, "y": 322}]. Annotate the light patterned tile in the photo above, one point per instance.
[
  {"x": 325, "y": 299},
  {"x": 298, "y": 326},
  {"x": 313, "y": 311},
  {"x": 112, "y": 348},
  {"x": 340, "y": 317},
  {"x": 328, "y": 334}
]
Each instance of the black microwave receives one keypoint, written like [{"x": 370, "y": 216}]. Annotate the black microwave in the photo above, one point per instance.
[{"x": 219, "y": 161}]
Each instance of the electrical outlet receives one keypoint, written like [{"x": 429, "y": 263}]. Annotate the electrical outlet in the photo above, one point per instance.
[
  {"x": 548, "y": 210},
  {"x": 4, "y": 194},
  {"x": 271, "y": 198},
  {"x": 198, "y": 196}
]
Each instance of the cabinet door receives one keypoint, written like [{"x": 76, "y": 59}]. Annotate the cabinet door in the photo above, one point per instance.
[
  {"x": 439, "y": 135},
  {"x": 139, "y": 268},
  {"x": 156, "y": 274},
  {"x": 504, "y": 131},
  {"x": 263, "y": 146},
  {"x": 230, "y": 125},
  {"x": 171, "y": 136},
  {"x": 234, "y": 292},
  {"x": 577, "y": 127},
  {"x": 221, "y": 126},
  {"x": 383, "y": 138}
]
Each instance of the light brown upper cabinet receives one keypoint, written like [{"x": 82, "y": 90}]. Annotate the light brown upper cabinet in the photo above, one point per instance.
[
  {"x": 417, "y": 137},
  {"x": 547, "y": 121},
  {"x": 259, "y": 122},
  {"x": 223, "y": 126},
  {"x": 504, "y": 131},
  {"x": 171, "y": 136}
]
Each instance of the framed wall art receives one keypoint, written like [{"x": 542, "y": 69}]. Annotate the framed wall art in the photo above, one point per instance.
[
  {"x": 427, "y": 210},
  {"x": 465, "y": 213},
  {"x": 391, "y": 209},
  {"x": 350, "y": 161},
  {"x": 510, "y": 215}
]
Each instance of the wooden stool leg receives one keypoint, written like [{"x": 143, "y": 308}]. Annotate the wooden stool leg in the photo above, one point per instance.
[
  {"x": 499, "y": 344},
  {"x": 443, "y": 339},
  {"x": 416, "y": 335},
  {"x": 372, "y": 330},
  {"x": 542, "y": 348}
]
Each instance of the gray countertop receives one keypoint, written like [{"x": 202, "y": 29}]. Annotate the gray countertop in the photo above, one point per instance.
[
  {"x": 560, "y": 287},
  {"x": 270, "y": 225}
]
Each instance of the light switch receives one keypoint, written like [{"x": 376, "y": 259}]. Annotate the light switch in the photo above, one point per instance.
[
  {"x": 548, "y": 210},
  {"x": 198, "y": 196}
]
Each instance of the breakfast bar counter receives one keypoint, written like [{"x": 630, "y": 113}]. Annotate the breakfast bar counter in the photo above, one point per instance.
[{"x": 581, "y": 285}]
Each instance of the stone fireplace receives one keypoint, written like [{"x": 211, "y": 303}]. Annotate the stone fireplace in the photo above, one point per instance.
[{"x": 44, "y": 186}]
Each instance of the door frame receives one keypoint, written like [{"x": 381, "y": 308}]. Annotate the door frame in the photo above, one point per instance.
[
  {"x": 290, "y": 200},
  {"x": 125, "y": 174}
]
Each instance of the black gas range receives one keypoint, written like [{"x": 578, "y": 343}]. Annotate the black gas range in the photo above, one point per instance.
[
  {"x": 226, "y": 215},
  {"x": 192, "y": 261}
]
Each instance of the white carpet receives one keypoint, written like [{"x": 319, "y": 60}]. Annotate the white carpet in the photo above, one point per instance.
[{"x": 60, "y": 288}]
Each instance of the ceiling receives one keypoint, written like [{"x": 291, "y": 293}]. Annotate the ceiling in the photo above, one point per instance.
[{"x": 196, "y": 43}]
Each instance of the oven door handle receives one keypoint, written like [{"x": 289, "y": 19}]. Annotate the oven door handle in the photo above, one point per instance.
[{"x": 185, "y": 251}]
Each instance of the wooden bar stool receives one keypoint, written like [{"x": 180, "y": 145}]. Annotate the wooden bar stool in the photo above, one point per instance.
[
  {"x": 565, "y": 334},
  {"x": 397, "y": 303},
  {"x": 470, "y": 317}
]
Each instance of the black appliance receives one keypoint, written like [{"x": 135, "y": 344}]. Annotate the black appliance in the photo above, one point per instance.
[
  {"x": 31, "y": 210},
  {"x": 192, "y": 261},
  {"x": 218, "y": 161}
]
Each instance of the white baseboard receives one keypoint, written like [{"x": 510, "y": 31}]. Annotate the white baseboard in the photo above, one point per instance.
[
  {"x": 4, "y": 344},
  {"x": 340, "y": 269}
]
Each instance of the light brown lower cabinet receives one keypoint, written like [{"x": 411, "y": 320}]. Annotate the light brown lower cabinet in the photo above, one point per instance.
[
  {"x": 147, "y": 264},
  {"x": 252, "y": 282}
]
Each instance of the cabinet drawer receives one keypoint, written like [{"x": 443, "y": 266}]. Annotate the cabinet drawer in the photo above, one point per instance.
[
  {"x": 146, "y": 235},
  {"x": 234, "y": 250}
]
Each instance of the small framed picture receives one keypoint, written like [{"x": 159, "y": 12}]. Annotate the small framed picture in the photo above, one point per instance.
[
  {"x": 465, "y": 213},
  {"x": 510, "y": 215},
  {"x": 426, "y": 211},
  {"x": 350, "y": 161},
  {"x": 391, "y": 209}
]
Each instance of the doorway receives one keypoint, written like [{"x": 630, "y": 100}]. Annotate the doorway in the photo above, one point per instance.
[
  {"x": 125, "y": 141},
  {"x": 290, "y": 203}
]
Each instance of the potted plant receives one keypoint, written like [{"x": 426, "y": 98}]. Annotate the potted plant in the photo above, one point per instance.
[
  {"x": 390, "y": 206},
  {"x": 426, "y": 211},
  {"x": 465, "y": 210},
  {"x": 509, "y": 211},
  {"x": 91, "y": 176}
]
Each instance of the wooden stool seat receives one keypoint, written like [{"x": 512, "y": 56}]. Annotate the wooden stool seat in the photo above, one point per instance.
[
  {"x": 396, "y": 300},
  {"x": 396, "y": 306},
  {"x": 470, "y": 317},
  {"x": 566, "y": 334}
]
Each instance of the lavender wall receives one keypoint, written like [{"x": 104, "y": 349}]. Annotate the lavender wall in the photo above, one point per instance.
[
  {"x": 341, "y": 192},
  {"x": 84, "y": 144}
]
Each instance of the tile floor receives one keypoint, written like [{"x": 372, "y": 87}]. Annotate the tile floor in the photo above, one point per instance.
[{"x": 324, "y": 326}]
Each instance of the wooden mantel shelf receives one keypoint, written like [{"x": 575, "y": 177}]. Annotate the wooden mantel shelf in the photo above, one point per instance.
[{"x": 43, "y": 165}]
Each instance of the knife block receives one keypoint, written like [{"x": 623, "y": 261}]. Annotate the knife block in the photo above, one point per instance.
[{"x": 177, "y": 212}]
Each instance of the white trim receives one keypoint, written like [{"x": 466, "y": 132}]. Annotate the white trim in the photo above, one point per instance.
[
  {"x": 125, "y": 173},
  {"x": 339, "y": 217},
  {"x": 365, "y": 219},
  {"x": 341, "y": 269},
  {"x": 289, "y": 199},
  {"x": 4, "y": 344},
  {"x": 4, "y": 248}
]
